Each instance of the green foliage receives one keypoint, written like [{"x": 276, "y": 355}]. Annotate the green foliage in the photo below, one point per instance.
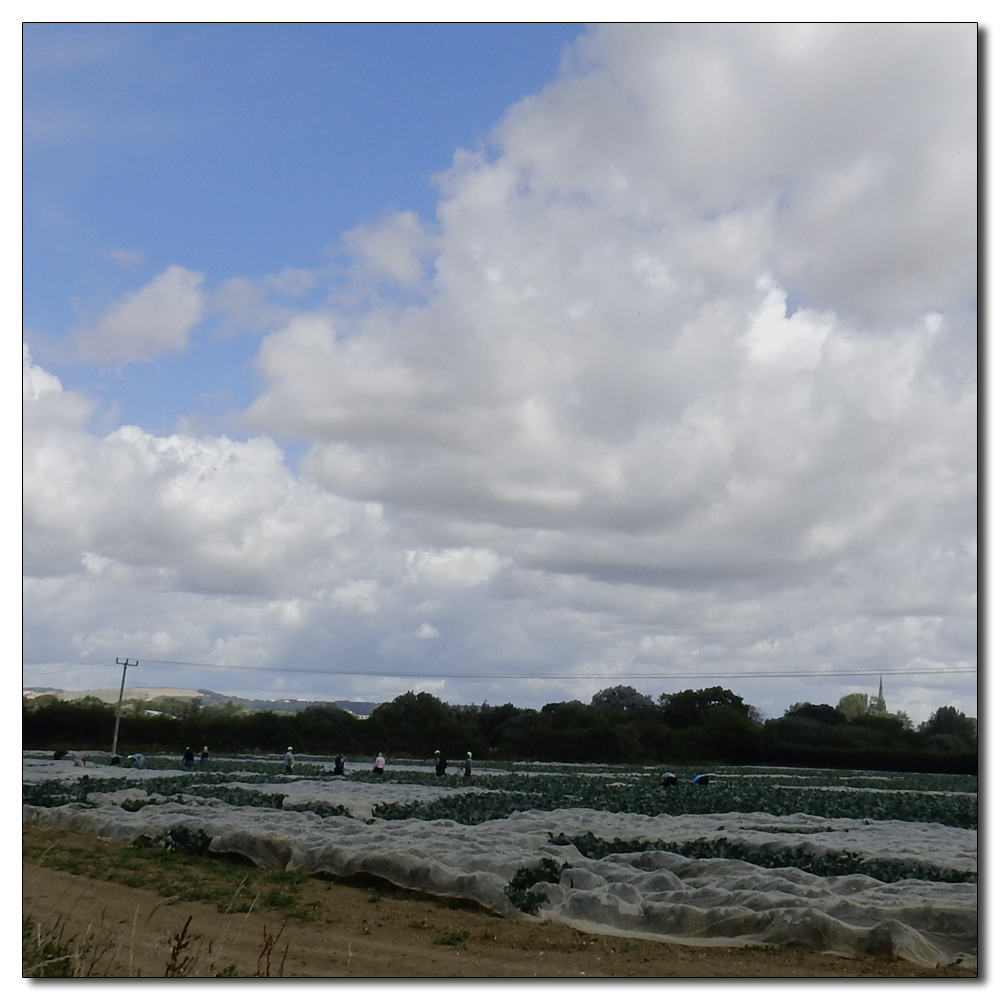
[
  {"x": 728, "y": 735},
  {"x": 58, "y": 793},
  {"x": 469, "y": 809},
  {"x": 178, "y": 839},
  {"x": 702, "y": 728},
  {"x": 622, "y": 697},
  {"x": 53, "y": 953},
  {"x": 418, "y": 724},
  {"x": 949, "y": 721},
  {"x": 641, "y": 794},
  {"x": 453, "y": 938},
  {"x": 185, "y": 841},
  {"x": 320, "y": 808},
  {"x": 688, "y": 708},
  {"x": 519, "y": 889},
  {"x": 496, "y": 794},
  {"x": 492, "y": 722},
  {"x": 178, "y": 708},
  {"x": 52, "y": 793},
  {"x": 826, "y": 714},
  {"x": 842, "y": 863},
  {"x": 245, "y": 767},
  {"x": 853, "y": 705}
]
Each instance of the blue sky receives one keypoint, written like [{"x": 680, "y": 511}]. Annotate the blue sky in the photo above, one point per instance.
[
  {"x": 505, "y": 362},
  {"x": 239, "y": 150}
]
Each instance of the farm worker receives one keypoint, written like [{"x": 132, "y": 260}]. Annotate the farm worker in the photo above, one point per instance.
[
  {"x": 700, "y": 779},
  {"x": 116, "y": 761},
  {"x": 442, "y": 765},
  {"x": 338, "y": 764},
  {"x": 379, "y": 767},
  {"x": 188, "y": 758},
  {"x": 468, "y": 764},
  {"x": 289, "y": 761},
  {"x": 80, "y": 758},
  {"x": 59, "y": 754},
  {"x": 204, "y": 757},
  {"x": 137, "y": 759},
  {"x": 668, "y": 778}
]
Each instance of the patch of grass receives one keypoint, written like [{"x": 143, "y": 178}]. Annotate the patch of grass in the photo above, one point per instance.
[
  {"x": 181, "y": 877},
  {"x": 230, "y": 883},
  {"x": 51, "y": 952},
  {"x": 380, "y": 888},
  {"x": 278, "y": 900},
  {"x": 454, "y": 939},
  {"x": 181, "y": 961},
  {"x": 373, "y": 883},
  {"x": 288, "y": 878}
]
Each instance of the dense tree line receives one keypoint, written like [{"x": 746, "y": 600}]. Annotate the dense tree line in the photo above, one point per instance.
[{"x": 711, "y": 725}]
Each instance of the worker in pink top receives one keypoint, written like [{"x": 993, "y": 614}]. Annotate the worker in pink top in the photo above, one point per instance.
[{"x": 379, "y": 767}]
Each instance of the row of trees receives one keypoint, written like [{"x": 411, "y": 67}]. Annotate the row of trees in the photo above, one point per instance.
[{"x": 620, "y": 725}]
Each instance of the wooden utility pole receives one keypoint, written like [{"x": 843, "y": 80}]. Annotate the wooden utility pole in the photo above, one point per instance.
[{"x": 124, "y": 664}]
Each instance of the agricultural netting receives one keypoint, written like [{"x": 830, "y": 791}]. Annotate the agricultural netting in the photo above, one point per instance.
[{"x": 849, "y": 862}]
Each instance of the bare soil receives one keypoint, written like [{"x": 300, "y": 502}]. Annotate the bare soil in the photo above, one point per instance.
[{"x": 368, "y": 929}]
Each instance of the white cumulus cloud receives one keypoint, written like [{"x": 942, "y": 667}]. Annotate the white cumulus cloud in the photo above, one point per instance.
[
  {"x": 153, "y": 320},
  {"x": 685, "y": 383}
]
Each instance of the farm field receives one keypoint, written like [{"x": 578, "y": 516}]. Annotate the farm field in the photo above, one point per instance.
[{"x": 850, "y": 863}]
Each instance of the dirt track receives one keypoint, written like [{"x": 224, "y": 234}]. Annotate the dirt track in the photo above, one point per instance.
[{"x": 357, "y": 932}]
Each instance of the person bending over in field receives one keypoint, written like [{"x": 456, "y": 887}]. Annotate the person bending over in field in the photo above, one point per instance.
[{"x": 668, "y": 778}]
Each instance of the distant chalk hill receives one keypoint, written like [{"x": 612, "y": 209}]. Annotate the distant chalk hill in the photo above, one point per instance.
[{"x": 207, "y": 697}]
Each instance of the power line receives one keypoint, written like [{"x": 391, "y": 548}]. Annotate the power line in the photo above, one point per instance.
[
  {"x": 62, "y": 668},
  {"x": 743, "y": 675}
]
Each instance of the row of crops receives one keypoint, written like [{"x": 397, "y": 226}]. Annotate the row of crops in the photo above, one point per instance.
[
  {"x": 827, "y": 863},
  {"x": 407, "y": 771},
  {"x": 471, "y": 808},
  {"x": 910, "y": 798},
  {"x": 60, "y": 793}
]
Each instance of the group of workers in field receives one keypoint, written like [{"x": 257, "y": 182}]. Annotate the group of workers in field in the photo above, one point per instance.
[
  {"x": 441, "y": 764},
  {"x": 138, "y": 760},
  {"x": 80, "y": 758}
]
